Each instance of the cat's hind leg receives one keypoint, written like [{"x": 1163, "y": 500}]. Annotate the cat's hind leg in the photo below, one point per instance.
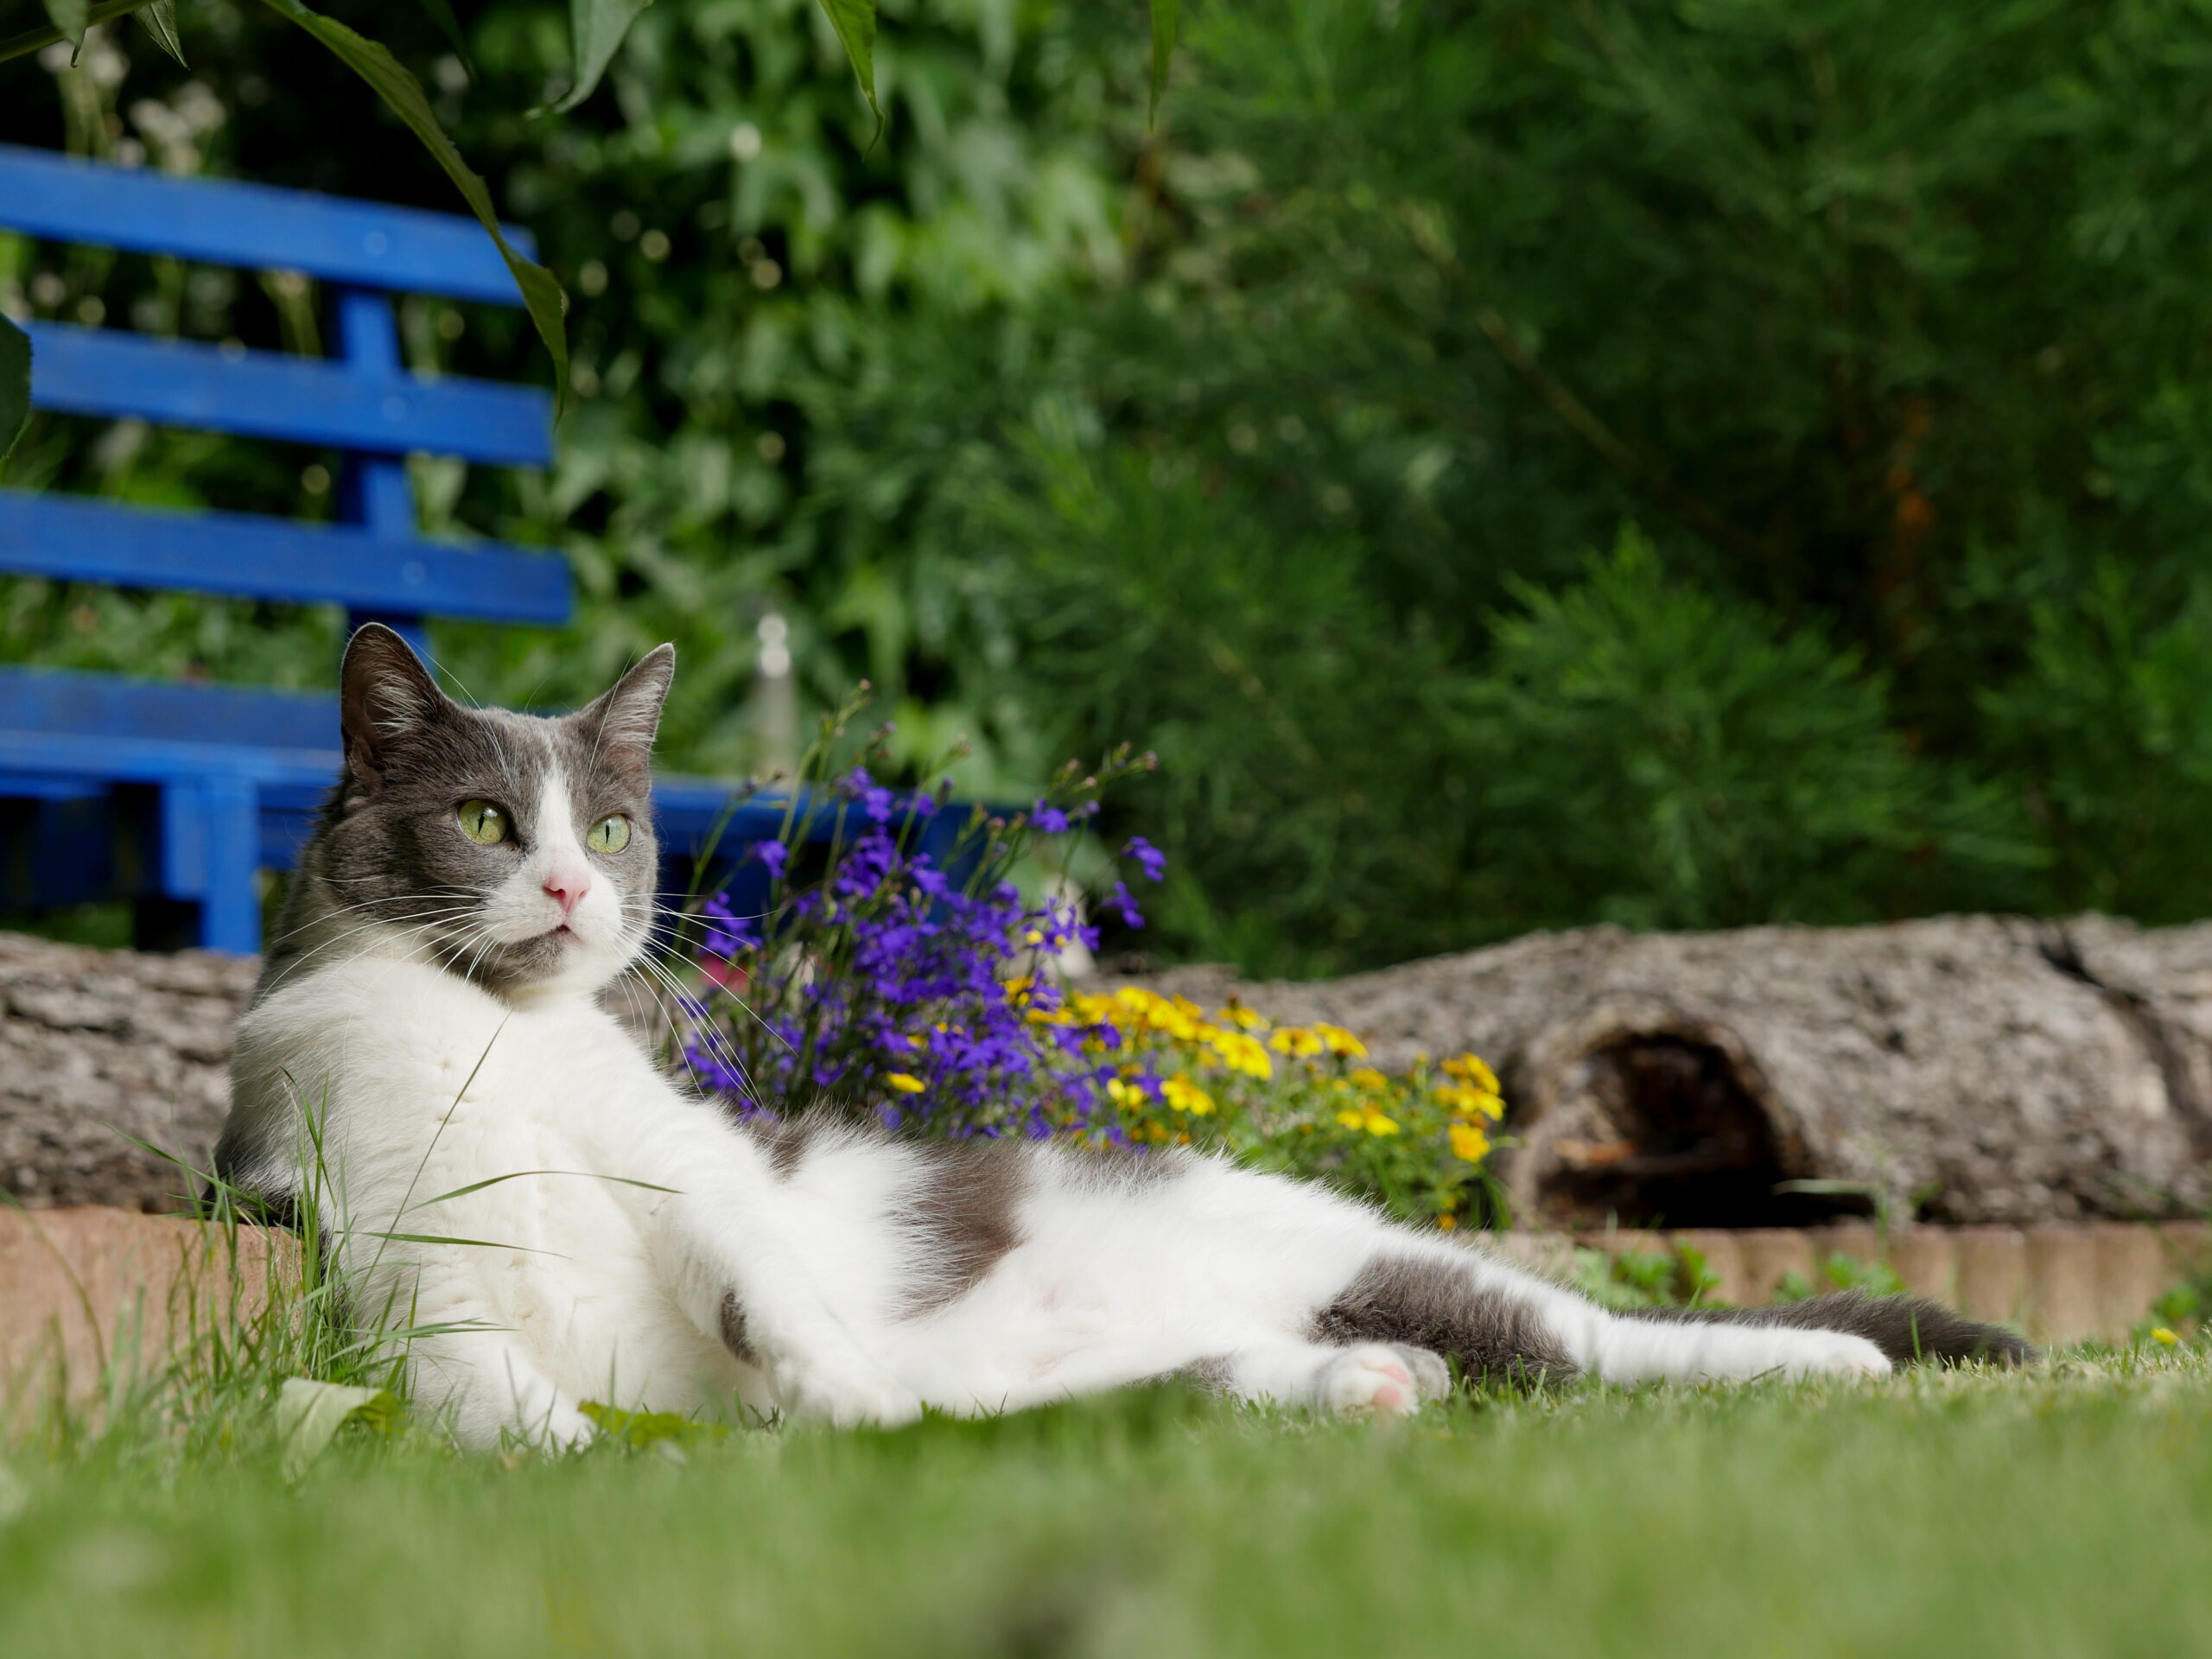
[{"x": 1372, "y": 1377}]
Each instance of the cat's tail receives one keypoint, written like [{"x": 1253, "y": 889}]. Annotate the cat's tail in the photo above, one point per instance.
[{"x": 1908, "y": 1329}]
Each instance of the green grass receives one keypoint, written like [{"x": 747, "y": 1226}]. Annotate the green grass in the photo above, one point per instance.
[{"x": 2064, "y": 1512}]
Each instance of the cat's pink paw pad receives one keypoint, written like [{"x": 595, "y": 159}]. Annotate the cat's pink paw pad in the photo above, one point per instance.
[{"x": 1361, "y": 1381}]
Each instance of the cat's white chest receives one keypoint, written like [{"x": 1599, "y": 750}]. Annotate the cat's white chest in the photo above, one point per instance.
[{"x": 501, "y": 1170}]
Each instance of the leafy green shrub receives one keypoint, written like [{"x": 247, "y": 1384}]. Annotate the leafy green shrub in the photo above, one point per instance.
[
  {"x": 1658, "y": 756},
  {"x": 2111, "y": 719}
]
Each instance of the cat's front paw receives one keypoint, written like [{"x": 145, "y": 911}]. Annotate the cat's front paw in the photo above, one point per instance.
[
  {"x": 1370, "y": 1378},
  {"x": 844, "y": 1398}
]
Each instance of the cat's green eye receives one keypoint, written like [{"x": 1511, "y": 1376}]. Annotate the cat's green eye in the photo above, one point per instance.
[
  {"x": 481, "y": 821},
  {"x": 609, "y": 834}
]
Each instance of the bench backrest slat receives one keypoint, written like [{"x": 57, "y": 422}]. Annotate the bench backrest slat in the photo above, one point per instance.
[
  {"x": 221, "y": 222},
  {"x": 71, "y": 538},
  {"x": 111, "y": 373}
]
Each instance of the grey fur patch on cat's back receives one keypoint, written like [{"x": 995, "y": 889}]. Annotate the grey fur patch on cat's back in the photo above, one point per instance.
[{"x": 962, "y": 1215}]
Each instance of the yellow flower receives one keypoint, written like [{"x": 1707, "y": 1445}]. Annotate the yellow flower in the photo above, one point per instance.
[
  {"x": 1341, "y": 1041},
  {"x": 918, "y": 1042},
  {"x": 1378, "y": 1124},
  {"x": 1352, "y": 1120},
  {"x": 1470, "y": 1101},
  {"x": 1127, "y": 1096},
  {"x": 1468, "y": 1142},
  {"x": 1368, "y": 1078},
  {"x": 1242, "y": 1017},
  {"x": 1446, "y": 1224},
  {"x": 2163, "y": 1337},
  {"x": 1295, "y": 1041},
  {"x": 1470, "y": 1068},
  {"x": 903, "y": 1083},
  {"x": 1187, "y": 1096},
  {"x": 1241, "y": 1053}
]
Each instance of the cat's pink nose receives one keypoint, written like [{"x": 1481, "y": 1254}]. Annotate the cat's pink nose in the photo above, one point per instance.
[{"x": 567, "y": 889}]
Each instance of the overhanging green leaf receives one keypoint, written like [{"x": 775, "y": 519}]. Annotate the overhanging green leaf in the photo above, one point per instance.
[
  {"x": 854, "y": 21},
  {"x": 160, "y": 19},
  {"x": 1163, "y": 52},
  {"x": 403, "y": 93},
  {"x": 449, "y": 26},
  {"x": 15, "y": 384},
  {"x": 596, "y": 30},
  {"x": 37, "y": 39},
  {"x": 70, "y": 17}
]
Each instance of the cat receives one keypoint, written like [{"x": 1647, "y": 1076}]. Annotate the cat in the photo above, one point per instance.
[{"x": 516, "y": 1184}]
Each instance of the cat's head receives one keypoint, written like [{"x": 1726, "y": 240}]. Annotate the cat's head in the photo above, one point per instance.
[{"x": 516, "y": 850}]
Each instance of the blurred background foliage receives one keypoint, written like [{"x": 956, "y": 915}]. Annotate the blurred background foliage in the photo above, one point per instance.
[{"x": 1520, "y": 465}]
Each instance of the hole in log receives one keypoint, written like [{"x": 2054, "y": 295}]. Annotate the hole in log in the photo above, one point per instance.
[{"x": 1659, "y": 1131}]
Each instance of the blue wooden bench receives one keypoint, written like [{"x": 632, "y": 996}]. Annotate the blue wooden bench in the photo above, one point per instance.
[{"x": 174, "y": 797}]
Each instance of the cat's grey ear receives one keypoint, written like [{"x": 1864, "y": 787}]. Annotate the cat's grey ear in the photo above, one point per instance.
[
  {"x": 386, "y": 697},
  {"x": 625, "y": 720}
]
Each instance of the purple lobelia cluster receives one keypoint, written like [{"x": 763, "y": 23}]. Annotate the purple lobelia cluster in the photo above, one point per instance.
[{"x": 915, "y": 986}]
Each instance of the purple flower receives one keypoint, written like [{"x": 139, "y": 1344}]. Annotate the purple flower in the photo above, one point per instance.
[
  {"x": 1125, "y": 902},
  {"x": 1153, "y": 860},
  {"x": 728, "y": 932},
  {"x": 889, "y": 964}
]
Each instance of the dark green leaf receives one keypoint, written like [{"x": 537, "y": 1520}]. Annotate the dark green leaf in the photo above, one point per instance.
[
  {"x": 70, "y": 17},
  {"x": 441, "y": 13},
  {"x": 596, "y": 30},
  {"x": 1163, "y": 52},
  {"x": 541, "y": 295},
  {"x": 15, "y": 383},
  {"x": 37, "y": 39},
  {"x": 160, "y": 19},
  {"x": 854, "y": 21}
]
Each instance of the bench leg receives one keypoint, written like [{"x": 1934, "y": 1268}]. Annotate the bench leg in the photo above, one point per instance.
[{"x": 211, "y": 852}]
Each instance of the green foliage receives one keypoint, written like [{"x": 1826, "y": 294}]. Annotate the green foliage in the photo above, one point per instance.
[
  {"x": 1675, "y": 1277},
  {"x": 1288, "y": 441},
  {"x": 1841, "y": 1272},
  {"x": 15, "y": 384},
  {"x": 1657, "y": 756},
  {"x": 2112, "y": 718}
]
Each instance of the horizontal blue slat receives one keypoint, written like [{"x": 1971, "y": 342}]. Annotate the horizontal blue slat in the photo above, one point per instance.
[
  {"x": 217, "y": 222},
  {"x": 159, "y": 760},
  {"x": 74, "y": 539},
  {"x": 63, "y": 722},
  {"x": 266, "y": 395}
]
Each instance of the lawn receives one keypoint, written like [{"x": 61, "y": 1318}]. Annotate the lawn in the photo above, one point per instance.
[{"x": 2065, "y": 1511}]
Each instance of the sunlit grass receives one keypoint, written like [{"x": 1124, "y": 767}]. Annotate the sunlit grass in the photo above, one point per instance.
[{"x": 2064, "y": 1511}]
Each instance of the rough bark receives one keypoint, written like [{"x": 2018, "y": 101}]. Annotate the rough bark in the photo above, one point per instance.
[
  {"x": 98, "y": 1045},
  {"x": 1962, "y": 1069}
]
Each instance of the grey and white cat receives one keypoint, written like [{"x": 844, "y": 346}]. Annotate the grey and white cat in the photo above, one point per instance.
[{"x": 478, "y": 880}]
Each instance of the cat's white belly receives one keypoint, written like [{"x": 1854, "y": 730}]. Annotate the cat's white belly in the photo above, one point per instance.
[{"x": 1102, "y": 1292}]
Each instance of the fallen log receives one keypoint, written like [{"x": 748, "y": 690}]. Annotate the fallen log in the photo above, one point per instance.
[
  {"x": 1962, "y": 1069},
  {"x": 99, "y": 1048},
  {"x": 1965, "y": 1070}
]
